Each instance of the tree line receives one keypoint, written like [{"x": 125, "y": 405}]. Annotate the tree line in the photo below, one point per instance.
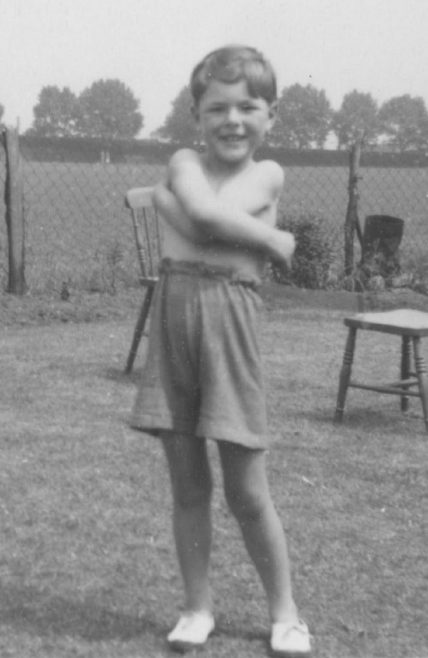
[
  {"x": 306, "y": 119},
  {"x": 109, "y": 110},
  {"x": 106, "y": 110}
]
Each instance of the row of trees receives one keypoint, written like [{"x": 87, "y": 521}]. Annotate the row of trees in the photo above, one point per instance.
[
  {"x": 109, "y": 110},
  {"x": 306, "y": 119}
]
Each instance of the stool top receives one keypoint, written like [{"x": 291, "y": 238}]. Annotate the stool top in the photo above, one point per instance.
[{"x": 403, "y": 321}]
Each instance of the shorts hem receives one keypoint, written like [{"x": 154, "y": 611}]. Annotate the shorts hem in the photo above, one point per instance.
[{"x": 155, "y": 426}]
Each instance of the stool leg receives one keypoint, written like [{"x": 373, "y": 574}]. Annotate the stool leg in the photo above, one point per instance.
[
  {"x": 345, "y": 373},
  {"x": 405, "y": 368},
  {"x": 421, "y": 373}
]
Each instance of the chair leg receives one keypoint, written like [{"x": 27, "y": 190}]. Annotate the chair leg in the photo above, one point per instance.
[
  {"x": 345, "y": 373},
  {"x": 139, "y": 328},
  {"x": 405, "y": 368},
  {"x": 421, "y": 373}
]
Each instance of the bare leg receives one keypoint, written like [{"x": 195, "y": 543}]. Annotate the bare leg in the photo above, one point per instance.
[
  {"x": 248, "y": 496},
  {"x": 191, "y": 489}
]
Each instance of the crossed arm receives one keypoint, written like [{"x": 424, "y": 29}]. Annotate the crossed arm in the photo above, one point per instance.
[{"x": 210, "y": 218}]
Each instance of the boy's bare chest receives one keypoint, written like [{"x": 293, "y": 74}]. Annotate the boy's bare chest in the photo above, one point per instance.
[{"x": 247, "y": 193}]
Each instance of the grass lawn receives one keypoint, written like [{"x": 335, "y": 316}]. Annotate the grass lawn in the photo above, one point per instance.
[{"x": 87, "y": 567}]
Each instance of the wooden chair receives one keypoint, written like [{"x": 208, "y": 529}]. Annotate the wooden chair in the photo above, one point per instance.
[
  {"x": 411, "y": 326},
  {"x": 148, "y": 241}
]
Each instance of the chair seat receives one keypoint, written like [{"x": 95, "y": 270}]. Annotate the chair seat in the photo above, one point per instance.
[
  {"x": 411, "y": 325},
  {"x": 403, "y": 322}
]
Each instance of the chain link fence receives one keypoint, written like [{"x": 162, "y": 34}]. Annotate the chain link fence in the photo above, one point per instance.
[{"x": 78, "y": 232}]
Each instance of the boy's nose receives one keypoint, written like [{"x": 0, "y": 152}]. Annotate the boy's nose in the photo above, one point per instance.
[{"x": 233, "y": 115}]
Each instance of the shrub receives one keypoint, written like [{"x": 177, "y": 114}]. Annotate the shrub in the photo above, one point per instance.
[{"x": 313, "y": 256}]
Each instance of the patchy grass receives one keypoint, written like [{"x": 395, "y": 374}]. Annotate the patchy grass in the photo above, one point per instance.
[
  {"x": 87, "y": 567},
  {"x": 81, "y": 306}
]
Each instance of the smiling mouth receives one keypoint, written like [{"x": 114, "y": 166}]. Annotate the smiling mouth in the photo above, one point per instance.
[{"x": 232, "y": 138}]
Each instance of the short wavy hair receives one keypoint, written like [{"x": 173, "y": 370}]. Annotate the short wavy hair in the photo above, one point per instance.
[{"x": 232, "y": 64}]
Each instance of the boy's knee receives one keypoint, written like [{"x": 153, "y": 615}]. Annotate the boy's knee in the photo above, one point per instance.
[
  {"x": 189, "y": 494},
  {"x": 245, "y": 505}
]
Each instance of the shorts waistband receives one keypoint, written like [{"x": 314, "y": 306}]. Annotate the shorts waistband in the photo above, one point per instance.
[{"x": 205, "y": 270}]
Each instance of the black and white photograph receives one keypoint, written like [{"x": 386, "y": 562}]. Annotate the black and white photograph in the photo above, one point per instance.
[{"x": 213, "y": 328}]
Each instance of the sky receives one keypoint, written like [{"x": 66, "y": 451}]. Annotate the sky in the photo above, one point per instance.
[{"x": 374, "y": 46}]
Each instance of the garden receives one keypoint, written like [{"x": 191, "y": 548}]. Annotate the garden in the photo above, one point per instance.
[{"x": 87, "y": 567}]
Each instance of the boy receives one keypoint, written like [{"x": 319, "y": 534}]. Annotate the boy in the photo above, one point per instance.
[{"x": 202, "y": 378}]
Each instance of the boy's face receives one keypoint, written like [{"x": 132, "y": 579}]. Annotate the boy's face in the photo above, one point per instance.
[{"x": 233, "y": 123}]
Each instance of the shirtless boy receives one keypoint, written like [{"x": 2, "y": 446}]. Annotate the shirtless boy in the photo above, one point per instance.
[{"x": 203, "y": 378}]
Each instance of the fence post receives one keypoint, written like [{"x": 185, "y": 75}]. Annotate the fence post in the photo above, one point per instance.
[
  {"x": 352, "y": 223},
  {"x": 14, "y": 196}
]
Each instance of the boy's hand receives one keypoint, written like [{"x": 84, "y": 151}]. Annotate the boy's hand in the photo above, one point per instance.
[{"x": 283, "y": 246}]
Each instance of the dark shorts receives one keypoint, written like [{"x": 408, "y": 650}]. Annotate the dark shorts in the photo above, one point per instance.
[{"x": 202, "y": 374}]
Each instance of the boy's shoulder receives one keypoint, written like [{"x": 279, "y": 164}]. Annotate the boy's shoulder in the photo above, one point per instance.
[
  {"x": 271, "y": 170},
  {"x": 270, "y": 175},
  {"x": 185, "y": 162},
  {"x": 183, "y": 156}
]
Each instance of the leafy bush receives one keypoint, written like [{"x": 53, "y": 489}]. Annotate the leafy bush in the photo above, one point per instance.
[{"x": 313, "y": 256}]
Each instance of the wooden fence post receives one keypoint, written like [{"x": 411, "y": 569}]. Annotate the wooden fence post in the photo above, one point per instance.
[
  {"x": 14, "y": 200},
  {"x": 352, "y": 223}
]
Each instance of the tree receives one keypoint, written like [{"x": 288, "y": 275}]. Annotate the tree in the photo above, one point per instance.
[
  {"x": 180, "y": 126},
  {"x": 356, "y": 119},
  {"x": 404, "y": 121},
  {"x": 109, "y": 110},
  {"x": 56, "y": 113},
  {"x": 304, "y": 117}
]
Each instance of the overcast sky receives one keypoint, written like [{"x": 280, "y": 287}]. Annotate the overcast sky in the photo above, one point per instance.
[{"x": 376, "y": 46}]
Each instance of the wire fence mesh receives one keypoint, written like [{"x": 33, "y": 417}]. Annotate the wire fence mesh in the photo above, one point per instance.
[{"x": 79, "y": 232}]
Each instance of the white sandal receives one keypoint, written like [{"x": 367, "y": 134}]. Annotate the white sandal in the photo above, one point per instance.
[
  {"x": 191, "y": 632},
  {"x": 290, "y": 640}
]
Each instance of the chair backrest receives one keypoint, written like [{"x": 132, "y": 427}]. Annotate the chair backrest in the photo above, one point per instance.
[{"x": 147, "y": 232}]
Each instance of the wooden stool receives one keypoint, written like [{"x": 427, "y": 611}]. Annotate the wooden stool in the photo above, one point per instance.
[{"x": 412, "y": 326}]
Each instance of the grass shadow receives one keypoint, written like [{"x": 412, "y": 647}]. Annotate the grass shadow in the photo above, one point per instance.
[
  {"x": 363, "y": 418},
  {"x": 377, "y": 420},
  {"x": 33, "y": 611},
  {"x": 121, "y": 377}
]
